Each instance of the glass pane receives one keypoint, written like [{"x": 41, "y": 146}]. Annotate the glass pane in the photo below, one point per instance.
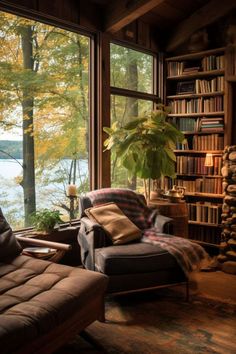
[
  {"x": 123, "y": 110},
  {"x": 44, "y": 117},
  {"x": 131, "y": 69}
]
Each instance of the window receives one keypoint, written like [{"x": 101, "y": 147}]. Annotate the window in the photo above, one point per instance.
[
  {"x": 132, "y": 93},
  {"x": 44, "y": 116}
]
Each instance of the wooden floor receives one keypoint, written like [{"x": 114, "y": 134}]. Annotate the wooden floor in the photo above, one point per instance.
[{"x": 217, "y": 285}]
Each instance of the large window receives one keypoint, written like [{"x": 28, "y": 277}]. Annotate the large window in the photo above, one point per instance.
[
  {"x": 132, "y": 93},
  {"x": 44, "y": 116}
]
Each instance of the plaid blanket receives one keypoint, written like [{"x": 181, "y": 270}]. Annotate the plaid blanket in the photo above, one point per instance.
[
  {"x": 189, "y": 255},
  {"x": 132, "y": 204}
]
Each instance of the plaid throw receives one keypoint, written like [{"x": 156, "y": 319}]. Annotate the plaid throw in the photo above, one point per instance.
[
  {"x": 189, "y": 255},
  {"x": 131, "y": 203}
]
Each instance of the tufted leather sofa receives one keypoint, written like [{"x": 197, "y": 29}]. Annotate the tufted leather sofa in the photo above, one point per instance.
[{"x": 43, "y": 304}]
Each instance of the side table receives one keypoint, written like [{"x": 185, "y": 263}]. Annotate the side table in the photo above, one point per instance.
[{"x": 177, "y": 211}]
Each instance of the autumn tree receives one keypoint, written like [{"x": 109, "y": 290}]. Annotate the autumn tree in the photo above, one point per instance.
[{"x": 44, "y": 91}]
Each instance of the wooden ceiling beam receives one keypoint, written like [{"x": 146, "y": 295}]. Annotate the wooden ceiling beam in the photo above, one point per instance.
[
  {"x": 204, "y": 16},
  {"x": 122, "y": 12}
]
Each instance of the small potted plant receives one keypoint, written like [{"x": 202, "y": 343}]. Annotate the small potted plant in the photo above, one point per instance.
[
  {"x": 46, "y": 220},
  {"x": 145, "y": 146}
]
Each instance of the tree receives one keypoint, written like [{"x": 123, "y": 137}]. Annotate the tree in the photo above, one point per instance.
[{"x": 44, "y": 76}]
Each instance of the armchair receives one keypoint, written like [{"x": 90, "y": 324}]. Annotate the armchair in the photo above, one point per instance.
[{"x": 132, "y": 266}]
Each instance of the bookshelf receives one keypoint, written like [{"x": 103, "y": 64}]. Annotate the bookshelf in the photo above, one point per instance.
[{"x": 196, "y": 92}]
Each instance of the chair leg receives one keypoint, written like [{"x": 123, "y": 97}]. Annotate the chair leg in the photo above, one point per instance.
[
  {"x": 102, "y": 317},
  {"x": 187, "y": 291}
]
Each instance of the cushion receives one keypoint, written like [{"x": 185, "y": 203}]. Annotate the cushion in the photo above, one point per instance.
[
  {"x": 133, "y": 258},
  {"x": 9, "y": 247},
  {"x": 131, "y": 204},
  {"x": 120, "y": 229}
]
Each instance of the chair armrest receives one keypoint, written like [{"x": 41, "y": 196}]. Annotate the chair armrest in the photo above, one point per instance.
[
  {"x": 91, "y": 236},
  {"x": 164, "y": 224}
]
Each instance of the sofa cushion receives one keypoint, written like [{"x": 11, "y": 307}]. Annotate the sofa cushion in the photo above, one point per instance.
[
  {"x": 133, "y": 258},
  {"x": 9, "y": 247},
  {"x": 37, "y": 295}
]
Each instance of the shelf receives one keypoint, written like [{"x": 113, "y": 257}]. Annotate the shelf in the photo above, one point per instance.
[
  {"x": 202, "y": 133},
  {"x": 200, "y": 114},
  {"x": 195, "y": 95},
  {"x": 215, "y": 152},
  {"x": 197, "y": 176},
  {"x": 203, "y": 224},
  {"x": 197, "y": 75},
  {"x": 201, "y": 54},
  {"x": 231, "y": 78},
  {"x": 205, "y": 195}
]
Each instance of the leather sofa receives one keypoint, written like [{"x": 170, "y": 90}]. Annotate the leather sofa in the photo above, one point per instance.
[{"x": 43, "y": 304}]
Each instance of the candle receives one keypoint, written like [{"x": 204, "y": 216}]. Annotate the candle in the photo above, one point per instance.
[{"x": 71, "y": 190}]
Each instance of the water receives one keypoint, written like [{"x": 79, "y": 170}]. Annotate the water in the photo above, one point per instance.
[{"x": 50, "y": 188}]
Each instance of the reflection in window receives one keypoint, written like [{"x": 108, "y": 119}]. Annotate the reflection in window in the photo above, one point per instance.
[
  {"x": 44, "y": 116},
  {"x": 131, "y": 69}
]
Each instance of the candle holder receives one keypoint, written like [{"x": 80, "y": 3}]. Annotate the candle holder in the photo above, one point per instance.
[{"x": 72, "y": 208}]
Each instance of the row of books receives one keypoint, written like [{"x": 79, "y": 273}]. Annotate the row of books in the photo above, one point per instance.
[
  {"x": 203, "y": 124},
  {"x": 201, "y": 185},
  {"x": 204, "y": 212},
  {"x": 213, "y": 62},
  {"x": 197, "y": 105},
  {"x": 203, "y": 234},
  {"x": 187, "y": 165},
  {"x": 213, "y": 104},
  {"x": 208, "y": 142},
  {"x": 209, "y": 86}
]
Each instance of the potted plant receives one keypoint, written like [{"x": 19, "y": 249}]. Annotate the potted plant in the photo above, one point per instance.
[
  {"x": 145, "y": 146},
  {"x": 46, "y": 220}
]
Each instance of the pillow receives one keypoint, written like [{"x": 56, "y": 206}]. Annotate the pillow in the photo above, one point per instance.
[
  {"x": 9, "y": 247},
  {"x": 119, "y": 228}
]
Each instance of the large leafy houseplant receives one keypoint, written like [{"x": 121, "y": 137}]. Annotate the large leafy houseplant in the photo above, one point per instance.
[{"x": 145, "y": 146}]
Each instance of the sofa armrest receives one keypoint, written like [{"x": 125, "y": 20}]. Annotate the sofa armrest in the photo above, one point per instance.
[
  {"x": 91, "y": 236},
  {"x": 43, "y": 243}
]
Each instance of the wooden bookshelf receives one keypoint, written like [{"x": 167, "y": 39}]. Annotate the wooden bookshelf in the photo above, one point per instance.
[{"x": 203, "y": 106}]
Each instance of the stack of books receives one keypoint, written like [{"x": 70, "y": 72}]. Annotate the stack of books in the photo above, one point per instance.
[
  {"x": 39, "y": 252},
  {"x": 215, "y": 124}
]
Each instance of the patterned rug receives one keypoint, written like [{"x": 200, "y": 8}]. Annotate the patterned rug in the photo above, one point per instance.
[{"x": 161, "y": 322}]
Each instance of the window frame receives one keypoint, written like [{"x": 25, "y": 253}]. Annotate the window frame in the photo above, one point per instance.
[{"x": 93, "y": 78}]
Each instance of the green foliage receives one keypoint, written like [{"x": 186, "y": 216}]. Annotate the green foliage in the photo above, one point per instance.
[
  {"x": 145, "y": 145},
  {"x": 45, "y": 219},
  {"x": 14, "y": 148}
]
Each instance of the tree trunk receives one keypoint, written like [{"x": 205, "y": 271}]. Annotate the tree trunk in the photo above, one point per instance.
[{"x": 28, "y": 138}]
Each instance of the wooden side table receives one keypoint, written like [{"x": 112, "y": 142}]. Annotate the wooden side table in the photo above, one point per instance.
[{"x": 177, "y": 211}]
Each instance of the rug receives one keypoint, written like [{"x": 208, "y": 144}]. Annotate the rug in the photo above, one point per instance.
[{"x": 161, "y": 322}]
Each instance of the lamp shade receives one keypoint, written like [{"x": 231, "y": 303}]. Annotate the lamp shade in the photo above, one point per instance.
[{"x": 208, "y": 160}]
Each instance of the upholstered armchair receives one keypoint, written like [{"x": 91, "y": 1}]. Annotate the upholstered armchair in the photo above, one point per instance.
[{"x": 133, "y": 265}]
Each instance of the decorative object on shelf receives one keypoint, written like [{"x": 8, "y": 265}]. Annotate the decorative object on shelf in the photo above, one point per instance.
[
  {"x": 175, "y": 194},
  {"x": 227, "y": 256},
  {"x": 198, "y": 41},
  {"x": 71, "y": 192},
  {"x": 145, "y": 146},
  {"x": 185, "y": 87},
  {"x": 46, "y": 220}
]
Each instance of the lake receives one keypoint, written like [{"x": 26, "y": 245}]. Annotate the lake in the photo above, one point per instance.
[{"x": 49, "y": 191}]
